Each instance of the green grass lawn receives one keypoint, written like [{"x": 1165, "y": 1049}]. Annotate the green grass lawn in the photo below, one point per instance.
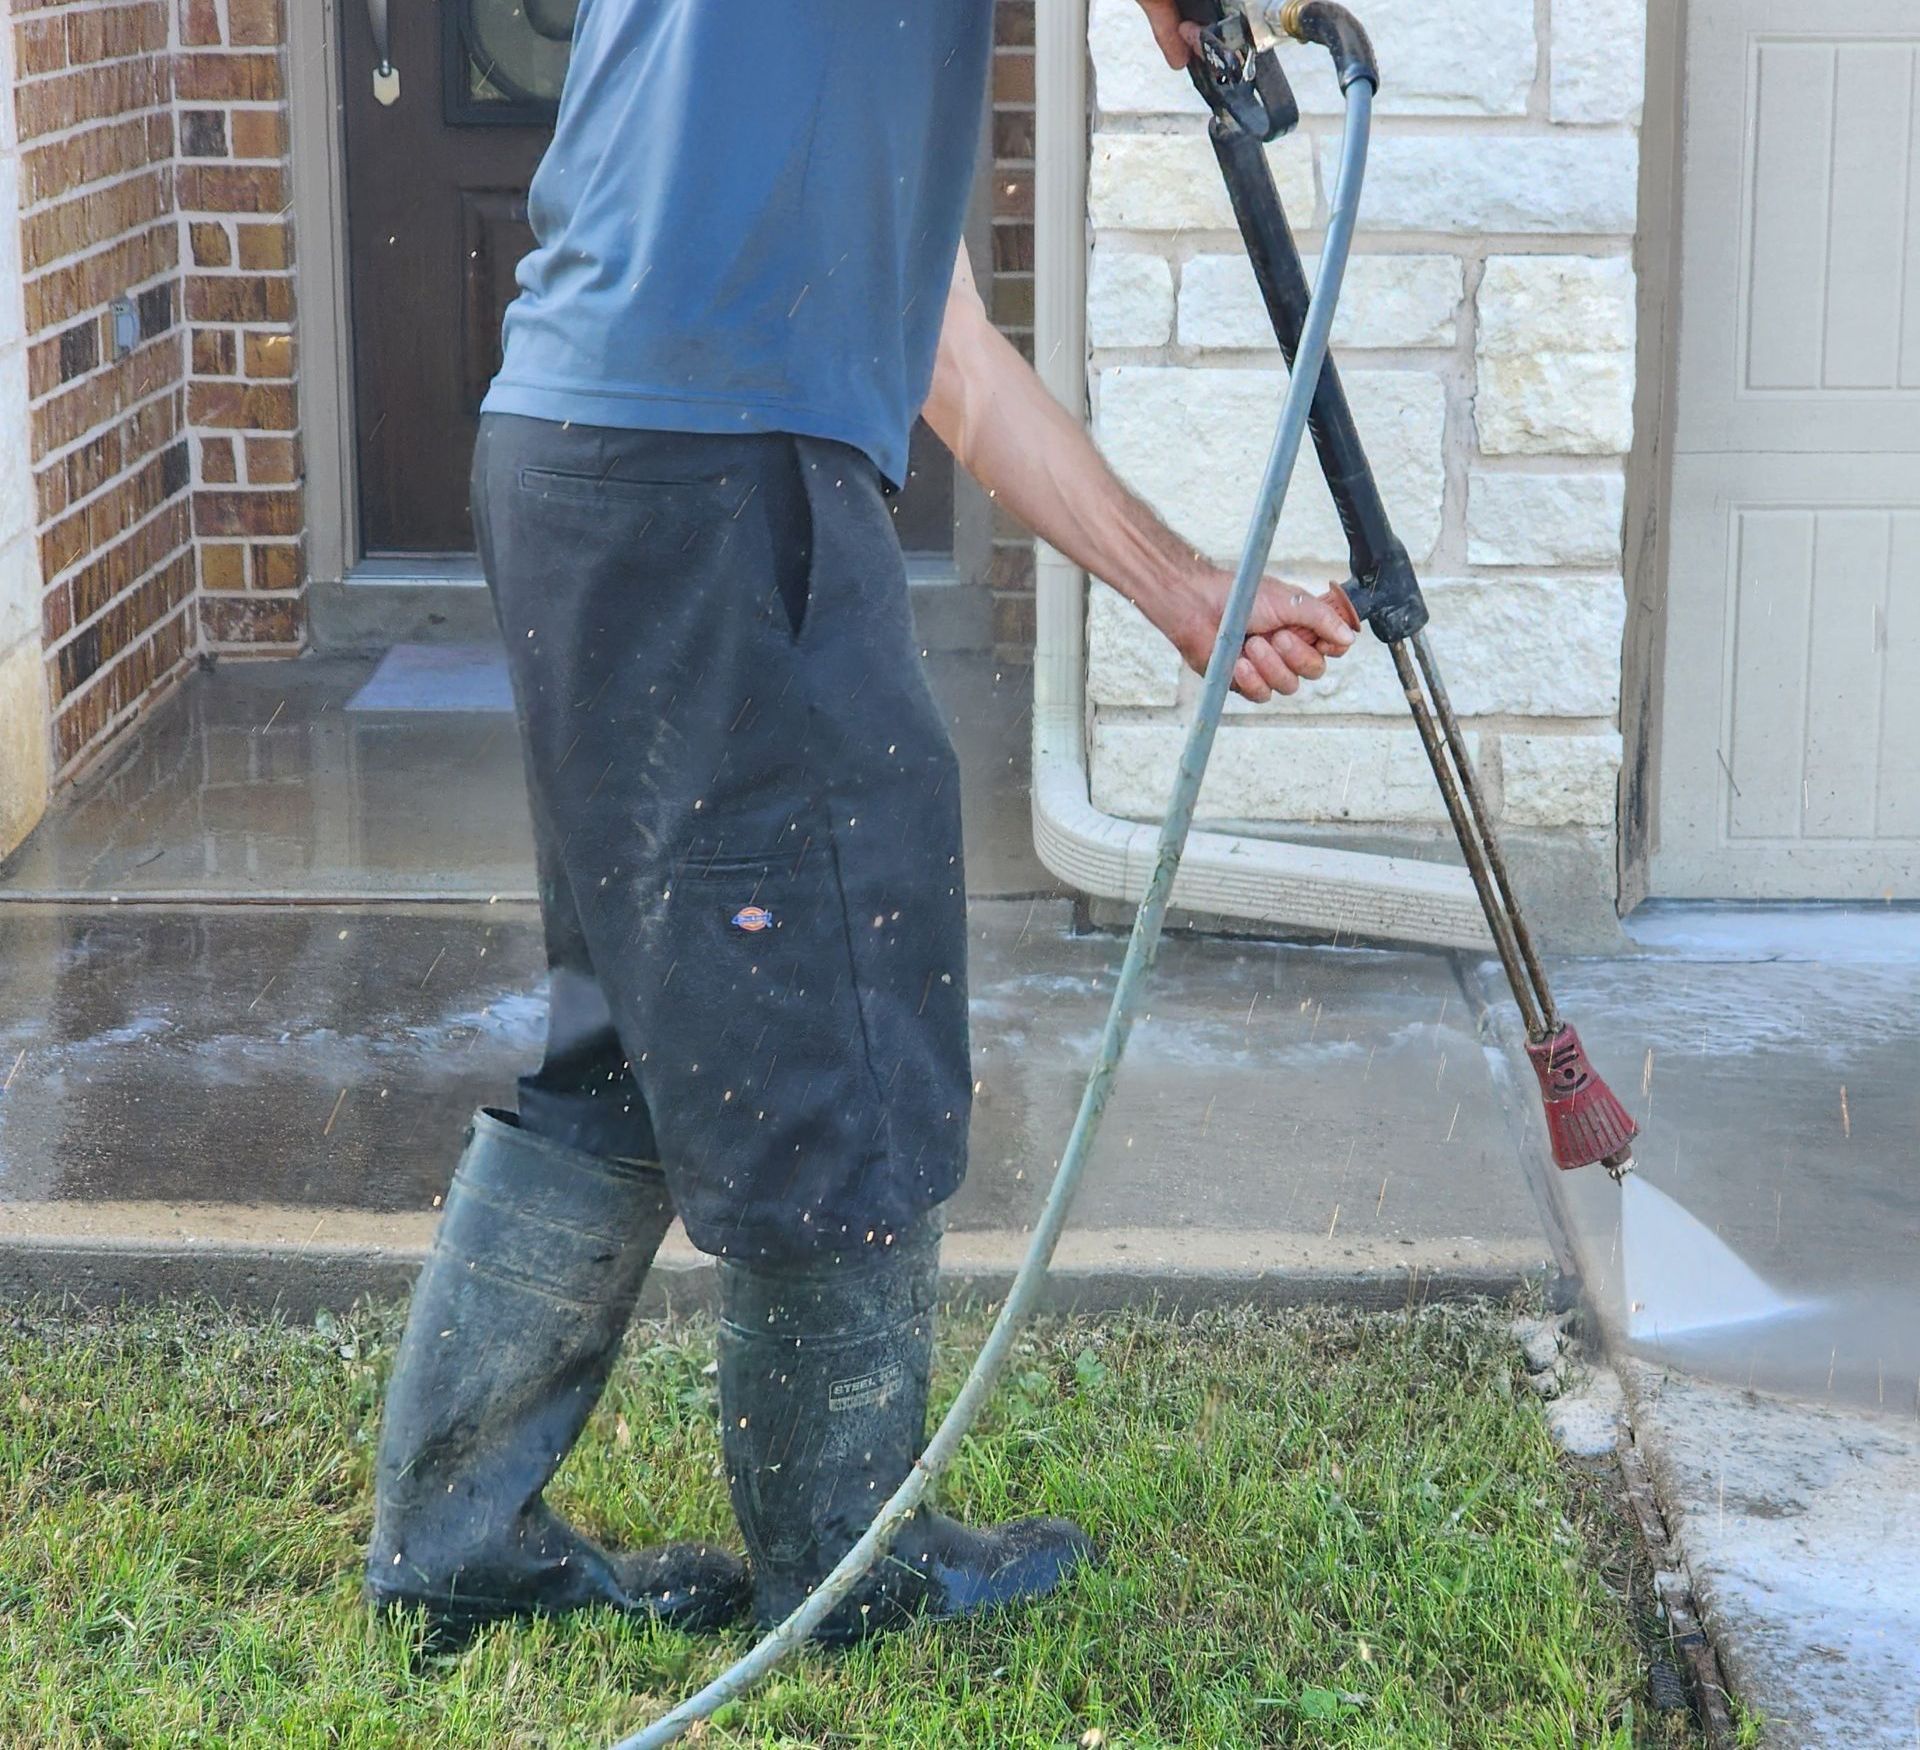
[{"x": 1320, "y": 1529}]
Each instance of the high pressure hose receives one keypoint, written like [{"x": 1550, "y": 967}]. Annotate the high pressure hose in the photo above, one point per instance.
[{"x": 789, "y": 1636}]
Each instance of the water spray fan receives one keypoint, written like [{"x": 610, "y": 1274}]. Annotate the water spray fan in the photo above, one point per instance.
[{"x": 1240, "y": 77}]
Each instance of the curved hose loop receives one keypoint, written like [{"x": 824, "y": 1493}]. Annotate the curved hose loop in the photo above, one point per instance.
[{"x": 789, "y": 1636}]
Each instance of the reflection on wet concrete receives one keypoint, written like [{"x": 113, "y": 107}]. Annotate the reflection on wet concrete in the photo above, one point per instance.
[
  {"x": 329, "y": 1056},
  {"x": 257, "y": 780},
  {"x": 1773, "y": 1062}
]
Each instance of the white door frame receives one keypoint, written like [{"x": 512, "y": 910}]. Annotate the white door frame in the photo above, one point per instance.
[{"x": 315, "y": 134}]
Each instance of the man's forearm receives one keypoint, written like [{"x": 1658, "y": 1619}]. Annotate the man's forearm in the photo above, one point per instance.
[{"x": 995, "y": 415}]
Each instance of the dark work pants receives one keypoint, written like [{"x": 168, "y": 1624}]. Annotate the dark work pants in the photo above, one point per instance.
[{"x": 746, "y": 818}]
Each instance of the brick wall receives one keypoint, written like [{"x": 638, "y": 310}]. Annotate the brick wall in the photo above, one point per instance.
[
  {"x": 1011, "y": 573},
  {"x": 94, "y": 105},
  {"x": 1486, "y": 338},
  {"x": 23, "y": 698},
  {"x": 242, "y": 405},
  {"x": 164, "y": 437}
]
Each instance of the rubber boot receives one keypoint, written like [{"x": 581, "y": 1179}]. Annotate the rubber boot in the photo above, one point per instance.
[
  {"x": 823, "y": 1402},
  {"x": 513, "y": 1331}
]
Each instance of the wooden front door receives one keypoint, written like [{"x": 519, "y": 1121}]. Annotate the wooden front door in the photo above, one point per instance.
[
  {"x": 437, "y": 182},
  {"x": 436, "y": 223}
]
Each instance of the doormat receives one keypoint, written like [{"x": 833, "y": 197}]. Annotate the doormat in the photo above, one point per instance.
[{"x": 437, "y": 677}]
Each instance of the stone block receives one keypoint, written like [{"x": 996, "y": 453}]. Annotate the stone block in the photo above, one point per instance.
[
  {"x": 1194, "y": 443},
  {"x": 1170, "y": 182},
  {"x": 1387, "y": 301},
  {"x": 23, "y": 742},
  {"x": 1472, "y": 184},
  {"x": 1522, "y": 647},
  {"x": 1431, "y": 64},
  {"x": 1555, "y": 303},
  {"x": 18, "y": 505},
  {"x": 1269, "y": 772},
  {"x": 1560, "y": 780},
  {"x": 1599, "y": 60},
  {"x": 20, "y": 616},
  {"x": 12, "y": 314},
  {"x": 1130, "y": 75},
  {"x": 1555, "y": 355},
  {"x": 1556, "y": 404},
  {"x": 1128, "y": 662},
  {"x": 1129, "y": 299},
  {"x": 1545, "y": 519}
]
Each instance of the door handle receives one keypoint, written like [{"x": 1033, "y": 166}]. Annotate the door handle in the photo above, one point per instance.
[{"x": 386, "y": 76}]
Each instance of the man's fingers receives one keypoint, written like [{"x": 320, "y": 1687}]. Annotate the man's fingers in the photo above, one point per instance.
[
  {"x": 1248, "y": 684},
  {"x": 1298, "y": 653},
  {"x": 1282, "y": 604},
  {"x": 1318, "y": 615},
  {"x": 1164, "y": 17},
  {"x": 1273, "y": 667}
]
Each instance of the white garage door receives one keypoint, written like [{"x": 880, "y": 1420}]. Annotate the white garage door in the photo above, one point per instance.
[{"x": 1790, "y": 740}]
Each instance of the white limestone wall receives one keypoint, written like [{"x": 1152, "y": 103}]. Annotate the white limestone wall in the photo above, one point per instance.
[
  {"x": 23, "y": 699},
  {"x": 1486, "y": 337}
]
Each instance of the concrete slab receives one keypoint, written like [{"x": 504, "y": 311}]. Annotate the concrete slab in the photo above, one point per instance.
[
  {"x": 1802, "y": 1539},
  {"x": 266, "y": 781},
  {"x": 1306, "y": 1107}
]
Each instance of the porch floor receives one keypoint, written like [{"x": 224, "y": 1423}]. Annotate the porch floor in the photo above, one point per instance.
[{"x": 258, "y": 970}]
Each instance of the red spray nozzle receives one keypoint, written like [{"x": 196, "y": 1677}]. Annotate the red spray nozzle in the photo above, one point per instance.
[{"x": 1585, "y": 1123}]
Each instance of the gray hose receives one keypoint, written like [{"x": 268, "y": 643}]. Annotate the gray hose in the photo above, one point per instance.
[{"x": 787, "y": 1637}]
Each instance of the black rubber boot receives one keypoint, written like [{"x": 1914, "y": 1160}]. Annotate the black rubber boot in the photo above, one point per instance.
[
  {"x": 823, "y": 1402},
  {"x": 513, "y": 1330}
]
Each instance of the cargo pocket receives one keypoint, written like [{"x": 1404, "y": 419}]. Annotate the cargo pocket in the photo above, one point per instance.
[{"x": 757, "y": 1071}]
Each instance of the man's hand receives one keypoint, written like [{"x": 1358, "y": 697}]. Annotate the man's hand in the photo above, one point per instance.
[
  {"x": 1290, "y": 633},
  {"x": 1036, "y": 459},
  {"x": 1175, "y": 39}
]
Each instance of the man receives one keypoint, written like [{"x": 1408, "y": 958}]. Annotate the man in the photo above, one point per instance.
[{"x": 745, "y": 805}]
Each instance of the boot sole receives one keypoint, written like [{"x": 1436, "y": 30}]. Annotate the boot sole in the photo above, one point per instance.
[{"x": 447, "y": 1629}]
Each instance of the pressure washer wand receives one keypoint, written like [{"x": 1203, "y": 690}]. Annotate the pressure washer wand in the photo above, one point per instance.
[{"x": 1238, "y": 74}]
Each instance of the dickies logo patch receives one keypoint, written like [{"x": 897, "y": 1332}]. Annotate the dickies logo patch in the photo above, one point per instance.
[{"x": 753, "y": 919}]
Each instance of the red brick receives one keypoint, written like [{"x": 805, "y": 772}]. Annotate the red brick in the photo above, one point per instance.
[
  {"x": 217, "y": 462},
  {"x": 280, "y": 566},
  {"x": 211, "y": 246},
  {"x": 266, "y": 248},
  {"x": 214, "y": 353},
  {"x": 200, "y": 24},
  {"x": 242, "y": 407},
  {"x": 248, "y": 513},
  {"x": 269, "y": 355},
  {"x": 227, "y": 78},
  {"x": 254, "y": 22},
  {"x": 223, "y": 565},
  {"x": 253, "y": 620},
  {"x": 272, "y": 461},
  {"x": 256, "y": 133},
  {"x": 239, "y": 298}
]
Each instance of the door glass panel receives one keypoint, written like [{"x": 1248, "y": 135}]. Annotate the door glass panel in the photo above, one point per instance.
[{"x": 506, "y": 59}]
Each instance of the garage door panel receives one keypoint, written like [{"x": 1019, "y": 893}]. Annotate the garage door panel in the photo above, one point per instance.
[
  {"x": 1897, "y": 806},
  {"x": 1845, "y": 685},
  {"x": 1792, "y": 698},
  {"x": 1873, "y": 104},
  {"x": 1767, "y": 576},
  {"x": 1788, "y": 184},
  {"x": 1800, "y": 255}
]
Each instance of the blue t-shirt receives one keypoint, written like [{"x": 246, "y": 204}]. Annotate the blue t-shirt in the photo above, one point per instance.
[{"x": 748, "y": 216}]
